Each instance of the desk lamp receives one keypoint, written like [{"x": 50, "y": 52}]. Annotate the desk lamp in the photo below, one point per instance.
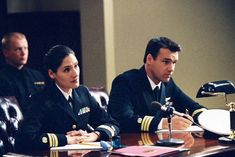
[{"x": 221, "y": 88}]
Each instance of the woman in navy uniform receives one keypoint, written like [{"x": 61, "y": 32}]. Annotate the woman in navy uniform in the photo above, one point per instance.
[{"x": 54, "y": 119}]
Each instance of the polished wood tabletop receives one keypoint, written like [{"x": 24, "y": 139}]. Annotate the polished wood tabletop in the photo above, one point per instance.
[{"x": 194, "y": 145}]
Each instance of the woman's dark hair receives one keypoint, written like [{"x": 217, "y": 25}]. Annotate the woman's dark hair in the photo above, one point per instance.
[
  {"x": 54, "y": 58},
  {"x": 155, "y": 44}
]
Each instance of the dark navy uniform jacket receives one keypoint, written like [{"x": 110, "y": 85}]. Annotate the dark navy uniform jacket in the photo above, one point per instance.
[
  {"x": 20, "y": 83},
  {"x": 51, "y": 117},
  {"x": 131, "y": 97}
]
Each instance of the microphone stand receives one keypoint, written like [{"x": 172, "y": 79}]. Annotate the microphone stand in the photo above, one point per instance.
[{"x": 170, "y": 141}]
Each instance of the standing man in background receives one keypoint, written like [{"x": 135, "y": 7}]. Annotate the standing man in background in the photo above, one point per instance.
[
  {"x": 133, "y": 92},
  {"x": 16, "y": 79}
]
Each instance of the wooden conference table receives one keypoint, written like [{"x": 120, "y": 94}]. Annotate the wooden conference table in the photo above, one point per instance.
[{"x": 195, "y": 145}]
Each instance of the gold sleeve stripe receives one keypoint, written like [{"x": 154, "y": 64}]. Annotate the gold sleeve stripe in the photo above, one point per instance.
[
  {"x": 106, "y": 127},
  {"x": 53, "y": 140},
  {"x": 54, "y": 154},
  {"x": 146, "y": 139},
  {"x": 143, "y": 124},
  {"x": 146, "y": 123},
  {"x": 50, "y": 140},
  {"x": 56, "y": 142},
  {"x": 197, "y": 111}
]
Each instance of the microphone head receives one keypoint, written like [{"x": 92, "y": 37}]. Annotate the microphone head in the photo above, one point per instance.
[{"x": 156, "y": 105}]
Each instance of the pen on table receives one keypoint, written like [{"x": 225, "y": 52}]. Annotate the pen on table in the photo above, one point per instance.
[
  {"x": 105, "y": 145},
  {"x": 186, "y": 112},
  {"x": 188, "y": 116},
  {"x": 91, "y": 129}
]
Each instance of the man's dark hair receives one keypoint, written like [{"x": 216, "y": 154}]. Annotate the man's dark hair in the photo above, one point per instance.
[{"x": 155, "y": 44}]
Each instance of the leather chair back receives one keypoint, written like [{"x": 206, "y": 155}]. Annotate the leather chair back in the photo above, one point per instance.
[
  {"x": 10, "y": 116},
  {"x": 101, "y": 96}
]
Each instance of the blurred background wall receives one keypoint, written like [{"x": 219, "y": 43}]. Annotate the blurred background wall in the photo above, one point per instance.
[{"x": 114, "y": 34}]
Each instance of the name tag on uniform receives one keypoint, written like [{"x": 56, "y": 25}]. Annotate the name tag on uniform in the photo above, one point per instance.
[
  {"x": 84, "y": 110},
  {"x": 39, "y": 83}
]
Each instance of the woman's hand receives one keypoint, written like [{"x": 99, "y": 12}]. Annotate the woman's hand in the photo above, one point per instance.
[
  {"x": 91, "y": 137},
  {"x": 75, "y": 137},
  {"x": 76, "y": 132}
]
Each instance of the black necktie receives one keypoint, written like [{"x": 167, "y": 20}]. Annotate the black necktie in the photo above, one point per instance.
[
  {"x": 156, "y": 93},
  {"x": 71, "y": 102}
]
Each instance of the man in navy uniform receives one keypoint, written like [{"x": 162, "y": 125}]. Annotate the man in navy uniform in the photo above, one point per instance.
[
  {"x": 132, "y": 92},
  {"x": 16, "y": 79}
]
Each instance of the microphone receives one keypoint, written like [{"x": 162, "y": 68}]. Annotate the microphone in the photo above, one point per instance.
[{"x": 169, "y": 110}]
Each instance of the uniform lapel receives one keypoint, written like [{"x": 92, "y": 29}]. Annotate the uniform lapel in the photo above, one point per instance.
[
  {"x": 163, "y": 94},
  {"x": 148, "y": 99},
  {"x": 62, "y": 102},
  {"x": 78, "y": 108},
  {"x": 148, "y": 94},
  {"x": 146, "y": 90},
  {"x": 77, "y": 102}
]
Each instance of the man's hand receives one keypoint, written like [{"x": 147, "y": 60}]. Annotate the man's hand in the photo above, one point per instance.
[{"x": 178, "y": 123}]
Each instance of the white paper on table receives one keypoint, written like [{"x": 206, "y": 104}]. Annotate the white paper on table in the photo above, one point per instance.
[
  {"x": 192, "y": 128},
  {"x": 82, "y": 146}
]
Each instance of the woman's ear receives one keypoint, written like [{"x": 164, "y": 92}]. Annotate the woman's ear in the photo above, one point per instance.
[{"x": 51, "y": 74}]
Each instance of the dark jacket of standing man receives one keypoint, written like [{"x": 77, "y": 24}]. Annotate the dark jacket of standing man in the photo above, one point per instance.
[
  {"x": 132, "y": 92},
  {"x": 16, "y": 79}
]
